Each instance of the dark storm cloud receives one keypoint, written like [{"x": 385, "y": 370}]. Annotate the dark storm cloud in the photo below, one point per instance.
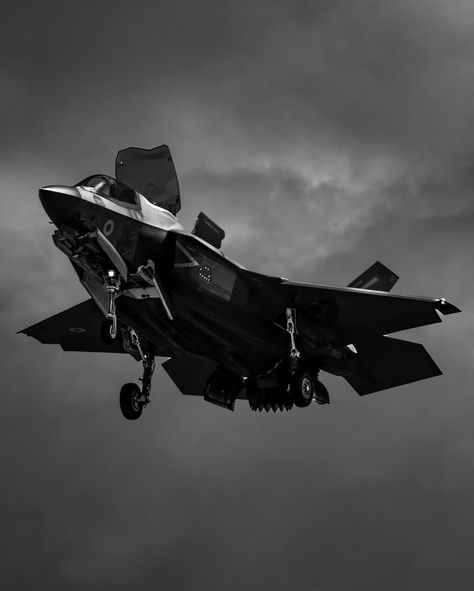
[
  {"x": 321, "y": 136},
  {"x": 375, "y": 75}
]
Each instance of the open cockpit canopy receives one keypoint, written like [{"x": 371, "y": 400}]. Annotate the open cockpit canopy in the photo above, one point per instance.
[
  {"x": 150, "y": 173},
  {"x": 110, "y": 188}
]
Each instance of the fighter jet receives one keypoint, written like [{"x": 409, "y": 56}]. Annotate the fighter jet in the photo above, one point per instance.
[{"x": 228, "y": 333}]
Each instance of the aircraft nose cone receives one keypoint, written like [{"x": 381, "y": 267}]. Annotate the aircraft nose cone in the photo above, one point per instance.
[{"x": 58, "y": 201}]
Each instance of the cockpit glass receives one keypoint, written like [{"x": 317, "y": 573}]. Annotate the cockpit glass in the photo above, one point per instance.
[{"x": 110, "y": 188}]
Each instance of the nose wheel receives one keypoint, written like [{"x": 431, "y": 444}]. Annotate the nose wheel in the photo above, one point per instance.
[
  {"x": 131, "y": 401},
  {"x": 133, "y": 398},
  {"x": 106, "y": 329}
]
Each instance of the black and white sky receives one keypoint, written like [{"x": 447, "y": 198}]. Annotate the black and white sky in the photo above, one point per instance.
[{"x": 322, "y": 135}]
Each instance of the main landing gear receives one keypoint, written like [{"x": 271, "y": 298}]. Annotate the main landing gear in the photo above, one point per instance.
[
  {"x": 297, "y": 380},
  {"x": 304, "y": 384},
  {"x": 305, "y": 387},
  {"x": 132, "y": 399}
]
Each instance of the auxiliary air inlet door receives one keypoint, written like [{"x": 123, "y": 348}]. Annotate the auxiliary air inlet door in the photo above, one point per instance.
[{"x": 152, "y": 174}]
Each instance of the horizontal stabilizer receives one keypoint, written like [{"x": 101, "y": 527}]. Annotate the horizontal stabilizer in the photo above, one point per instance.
[
  {"x": 387, "y": 362},
  {"x": 208, "y": 230},
  {"x": 75, "y": 329},
  {"x": 190, "y": 374},
  {"x": 377, "y": 277}
]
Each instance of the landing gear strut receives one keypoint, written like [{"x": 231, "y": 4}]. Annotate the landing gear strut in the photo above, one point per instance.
[
  {"x": 295, "y": 355},
  {"x": 113, "y": 285},
  {"x": 304, "y": 384},
  {"x": 132, "y": 399}
]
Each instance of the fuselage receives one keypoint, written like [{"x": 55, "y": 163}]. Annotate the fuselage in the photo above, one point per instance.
[
  {"x": 162, "y": 291},
  {"x": 220, "y": 309}
]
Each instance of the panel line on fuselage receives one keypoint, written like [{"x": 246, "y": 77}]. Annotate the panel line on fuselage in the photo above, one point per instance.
[{"x": 152, "y": 215}]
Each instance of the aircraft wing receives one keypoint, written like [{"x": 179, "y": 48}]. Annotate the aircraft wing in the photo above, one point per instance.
[
  {"x": 75, "y": 329},
  {"x": 360, "y": 313}
]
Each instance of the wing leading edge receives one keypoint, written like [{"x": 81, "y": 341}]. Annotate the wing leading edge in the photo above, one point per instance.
[
  {"x": 360, "y": 313},
  {"x": 79, "y": 329},
  {"x": 75, "y": 329}
]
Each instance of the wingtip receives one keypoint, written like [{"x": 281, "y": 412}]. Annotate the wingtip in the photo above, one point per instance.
[{"x": 445, "y": 307}]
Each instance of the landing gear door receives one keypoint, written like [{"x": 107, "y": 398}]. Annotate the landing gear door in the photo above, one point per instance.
[{"x": 152, "y": 174}]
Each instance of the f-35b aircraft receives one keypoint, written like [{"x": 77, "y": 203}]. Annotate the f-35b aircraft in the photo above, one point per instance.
[{"x": 158, "y": 290}]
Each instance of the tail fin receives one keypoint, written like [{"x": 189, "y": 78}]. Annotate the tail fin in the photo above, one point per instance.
[{"x": 377, "y": 277}]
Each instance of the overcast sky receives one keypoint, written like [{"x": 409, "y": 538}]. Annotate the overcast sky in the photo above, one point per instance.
[{"x": 322, "y": 136}]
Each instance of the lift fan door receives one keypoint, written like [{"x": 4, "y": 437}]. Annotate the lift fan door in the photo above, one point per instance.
[
  {"x": 152, "y": 174},
  {"x": 208, "y": 230}
]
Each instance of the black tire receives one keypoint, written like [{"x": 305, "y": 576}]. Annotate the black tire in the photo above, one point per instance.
[
  {"x": 105, "y": 332},
  {"x": 302, "y": 388},
  {"x": 130, "y": 401}
]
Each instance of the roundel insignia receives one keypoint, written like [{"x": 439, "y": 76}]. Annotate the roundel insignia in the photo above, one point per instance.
[
  {"x": 77, "y": 329},
  {"x": 109, "y": 227}
]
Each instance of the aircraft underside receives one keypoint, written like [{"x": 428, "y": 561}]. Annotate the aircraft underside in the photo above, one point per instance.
[
  {"x": 269, "y": 353},
  {"x": 228, "y": 333},
  {"x": 220, "y": 354}
]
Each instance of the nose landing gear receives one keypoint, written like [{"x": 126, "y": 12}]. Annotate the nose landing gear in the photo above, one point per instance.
[
  {"x": 113, "y": 285},
  {"x": 132, "y": 399}
]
